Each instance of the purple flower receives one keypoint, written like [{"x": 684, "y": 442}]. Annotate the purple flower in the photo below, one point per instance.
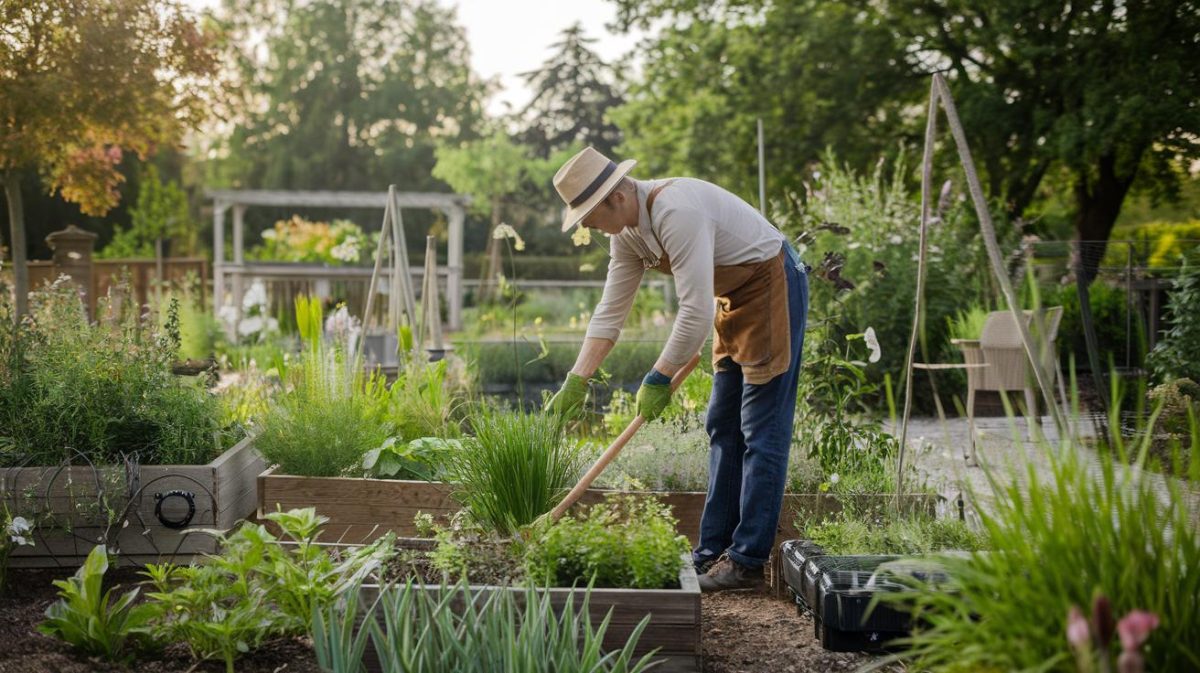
[
  {"x": 1078, "y": 633},
  {"x": 1134, "y": 628}
]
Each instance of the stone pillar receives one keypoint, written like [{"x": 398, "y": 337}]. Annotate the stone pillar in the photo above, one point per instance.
[{"x": 73, "y": 258}]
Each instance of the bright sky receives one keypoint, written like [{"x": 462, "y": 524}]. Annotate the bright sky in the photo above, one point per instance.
[{"x": 509, "y": 37}]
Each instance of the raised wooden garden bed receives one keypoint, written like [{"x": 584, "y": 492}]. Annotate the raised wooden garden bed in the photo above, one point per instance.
[
  {"x": 674, "y": 628},
  {"x": 140, "y": 511},
  {"x": 359, "y": 510}
]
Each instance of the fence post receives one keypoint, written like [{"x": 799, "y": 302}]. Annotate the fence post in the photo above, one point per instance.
[{"x": 73, "y": 258}]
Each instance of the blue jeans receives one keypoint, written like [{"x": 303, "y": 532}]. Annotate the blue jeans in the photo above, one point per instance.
[{"x": 750, "y": 431}]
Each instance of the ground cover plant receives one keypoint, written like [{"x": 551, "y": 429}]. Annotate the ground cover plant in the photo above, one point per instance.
[
  {"x": 1058, "y": 540},
  {"x": 623, "y": 542},
  {"x": 74, "y": 390},
  {"x": 254, "y": 589},
  {"x": 885, "y": 532}
]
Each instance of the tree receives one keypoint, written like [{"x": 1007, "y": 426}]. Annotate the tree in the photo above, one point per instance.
[
  {"x": 817, "y": 73},
  {"x": 81, "y": 81},
  {"x": 161, "y": 212},
  {"x": 493, "y": 170},
  {"x": 343, "y": 94},
  {"x": 573, "y": 92},
  {"x": 1102, "y": 91}
]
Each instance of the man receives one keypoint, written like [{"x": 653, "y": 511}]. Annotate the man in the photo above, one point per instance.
[{"x": 715, "y": 245}]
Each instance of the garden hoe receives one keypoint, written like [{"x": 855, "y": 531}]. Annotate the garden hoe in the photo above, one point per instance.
[{"x": 611, "y": 452}]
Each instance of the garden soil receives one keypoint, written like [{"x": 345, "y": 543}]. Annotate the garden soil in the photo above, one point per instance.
[
  {"x": 753, "y": 632},
  {"x": 743, "y": 632}
]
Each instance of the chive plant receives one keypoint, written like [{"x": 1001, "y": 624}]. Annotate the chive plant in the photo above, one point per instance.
[{"x": 517, "y": 469}]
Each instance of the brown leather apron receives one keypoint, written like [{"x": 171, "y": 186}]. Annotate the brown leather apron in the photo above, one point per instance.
[{"x": 752, "y": 326}]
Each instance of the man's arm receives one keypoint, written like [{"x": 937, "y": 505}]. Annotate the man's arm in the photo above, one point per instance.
[{"x": 591, "y": 355}]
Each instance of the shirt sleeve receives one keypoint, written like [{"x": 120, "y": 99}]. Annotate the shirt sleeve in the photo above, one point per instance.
[
  {"x": 688, "y": 238},
  {"x": 625, "y": 271}
]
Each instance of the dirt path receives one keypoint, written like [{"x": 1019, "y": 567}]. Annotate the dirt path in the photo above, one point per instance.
[{"x": 750, "y": 632}]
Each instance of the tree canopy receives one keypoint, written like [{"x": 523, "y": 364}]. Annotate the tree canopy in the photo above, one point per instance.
[
  {"x": 343, "y": 94},
  {"x": 81, "y": 82},
  {"x": 1104, "y": 93}
]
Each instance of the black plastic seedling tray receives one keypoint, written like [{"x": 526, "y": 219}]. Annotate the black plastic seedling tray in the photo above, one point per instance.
[
  {"x": 841, "y": 591},
  {"x": 796, "y": 554}
]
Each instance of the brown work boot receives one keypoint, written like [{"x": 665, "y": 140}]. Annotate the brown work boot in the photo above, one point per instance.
[{"x": 728, "y": 574}]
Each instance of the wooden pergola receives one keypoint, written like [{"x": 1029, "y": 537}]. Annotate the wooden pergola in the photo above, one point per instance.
[{"x": 233, "y": 273}]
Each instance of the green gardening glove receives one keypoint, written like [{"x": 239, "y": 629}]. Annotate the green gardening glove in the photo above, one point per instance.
[
  {"x": 654, "y": 395},
  {"x": 568, "y": 401}
]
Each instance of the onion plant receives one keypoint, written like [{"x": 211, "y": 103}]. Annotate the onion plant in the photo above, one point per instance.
[
  {"x": 517, "y": 469},
  {"x": 416, "y": 629}
]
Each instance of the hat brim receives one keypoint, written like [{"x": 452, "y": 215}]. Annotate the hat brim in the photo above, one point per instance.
[{"x": 575, "y": 215}]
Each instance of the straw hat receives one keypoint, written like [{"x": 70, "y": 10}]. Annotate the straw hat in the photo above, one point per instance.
[{"x": 585, "y": 180}]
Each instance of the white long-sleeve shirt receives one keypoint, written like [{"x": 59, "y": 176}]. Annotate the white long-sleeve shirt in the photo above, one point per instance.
[{"x": 701, "y": 227}]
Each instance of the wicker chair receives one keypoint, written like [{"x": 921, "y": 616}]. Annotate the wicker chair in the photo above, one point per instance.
[{"x": 997, "y": 361}]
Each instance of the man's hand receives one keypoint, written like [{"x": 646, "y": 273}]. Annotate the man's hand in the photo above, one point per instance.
[
  {"x": 654, "y": 395},
  {"x": 568, "y": 401}
]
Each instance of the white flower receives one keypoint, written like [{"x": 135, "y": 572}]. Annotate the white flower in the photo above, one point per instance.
[
  {"x": 250, "y": 326},
  {"x": 228, "y": 313},
  {"x": 503, "y": 230},
  {"x": 346, "y": 251},
  {"x": 587, "y": 267},
  {"x": 834, "y": 478},
  {"x": 581, "y": 236},
  {"x": 342, "y": 326},
  {"x": 20, "y": 525},
  {"x": 269, "y": 235},
  {"x": 854, "y": 246},
  {"x": 895, "y": 239},
  {"x": 255, "y": 297},
  {"x": 873, "y": 344}
]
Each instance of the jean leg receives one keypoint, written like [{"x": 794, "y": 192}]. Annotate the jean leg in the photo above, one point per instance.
[
  {"x": 767, "y": 414},
  {"x": 727, "y": 448}
]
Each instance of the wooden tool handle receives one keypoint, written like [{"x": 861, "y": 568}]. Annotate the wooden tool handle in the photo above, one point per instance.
[{"x": 619, "y": 443}]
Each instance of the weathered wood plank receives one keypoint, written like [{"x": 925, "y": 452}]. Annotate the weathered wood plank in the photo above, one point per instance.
[{"x": 69, "y": 496}]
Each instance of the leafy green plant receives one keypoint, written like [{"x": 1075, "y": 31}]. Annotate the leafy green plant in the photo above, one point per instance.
[
  {"x": 104, "y": 391},
  {"x": 255, "y": 588},
  {"x": 623, "y": 542},
  {"x": 420, "y": 459},
  {"x": 425, "y": 402},
  {"x": 430, "y": 630},
  {"x": 1060, "y": 535},
  {"x": 1177, "y": 355},
  {"x": 967, "y": 323},
  {"x": 516, "y": 469},
  {"x": 89, "y": 618}
]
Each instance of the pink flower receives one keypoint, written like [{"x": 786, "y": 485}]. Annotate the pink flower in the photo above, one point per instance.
[
  {"x": 1135, "y": 627},
  {"x": 1078, "y": 633}
]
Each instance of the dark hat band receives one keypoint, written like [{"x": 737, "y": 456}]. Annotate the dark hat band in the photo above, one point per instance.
[{"x": 591, "y": 189}]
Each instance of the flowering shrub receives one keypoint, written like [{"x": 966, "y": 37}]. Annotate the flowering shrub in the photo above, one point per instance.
[
  {"x": 254, "y": 324},
  {"x": 300, "y": 240}
]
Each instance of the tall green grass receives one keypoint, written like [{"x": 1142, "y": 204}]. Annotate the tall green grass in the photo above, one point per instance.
[
  {"x": 1063, "y": 537},
  {"x": 517, "y": 469}
]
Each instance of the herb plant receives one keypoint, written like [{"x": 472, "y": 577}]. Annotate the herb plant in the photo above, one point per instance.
[
  {"x": 1177, "y": 355},
  {"x": 516, "y": 469},
  {"x": 87, "y": 617},
  {"x": 623, "y": 542},
  {"x": 851, "y": 533},
  {"x": 105, "y": 391},
  {"x": 420, "y": 459}
]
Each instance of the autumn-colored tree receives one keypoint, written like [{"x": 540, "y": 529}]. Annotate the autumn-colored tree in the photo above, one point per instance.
[{"x": 81, "y": 82}]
